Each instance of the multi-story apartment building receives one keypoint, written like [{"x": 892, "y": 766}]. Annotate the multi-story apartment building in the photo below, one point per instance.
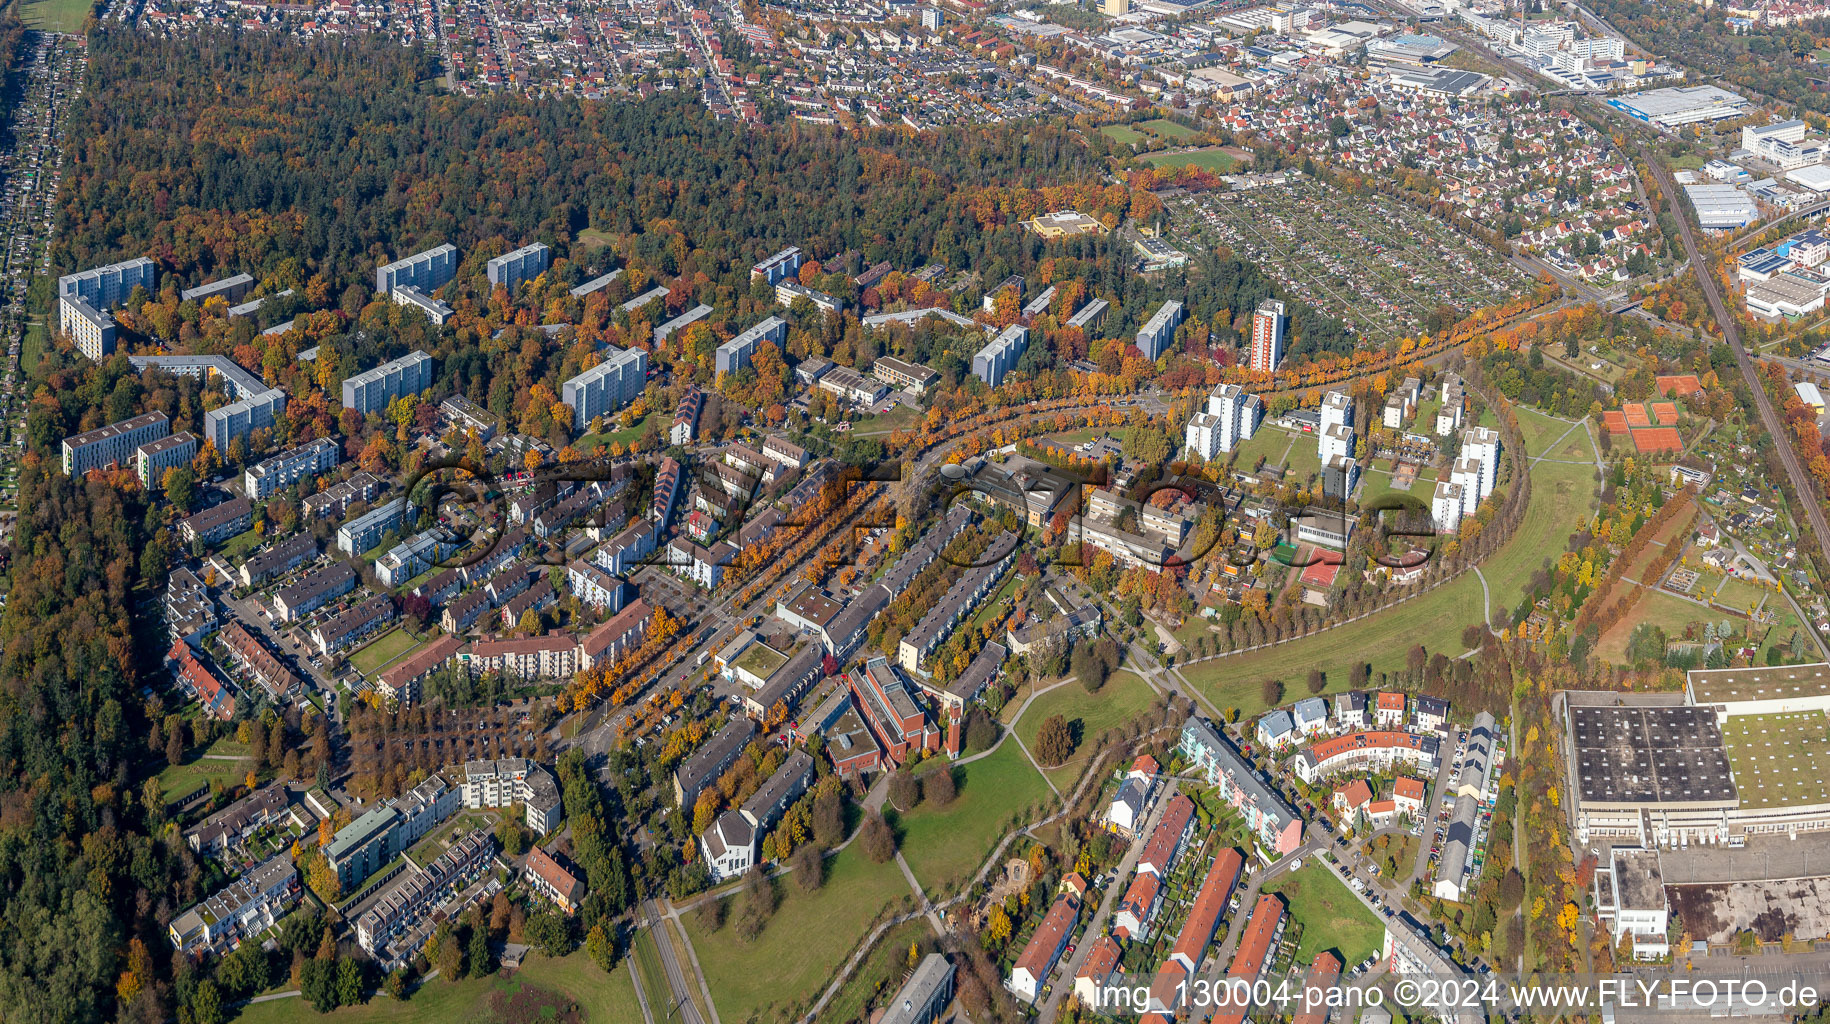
[
  {"x": 523, "y": 658},
  {"x": 365, "y": 618},
  {"x": 397, "y": 925},
  {"x": 429, "y": 270},
  {"x": 606, "y": 387},
  {"x": 1000, "y": 355},
  {"x": 230, "y": 289},
  {"x": 152, "y": 459},
  {"x": 731, "y": 844},
  {"x": 1232, "y": 417},
  {"x": 711, "y": 760},
  {"x": 413, "y": 556},
  {"x": 247, "y": 906},
  {"x": 361, "y": 534},
  {"x": 371, "y": 391},
  {"x": 84, "y": 298},
  {"x": 1268, "y": 325},
  {"x": 1160, "y": 331},
  {"x": 507, "y": 781},
  {"x": 270, "y": 476},
  {"x": 510, "y": 269},
  {"x": 114, "y": 444},
  {"x": 316, "y": 590},
  {"x": 735, "y": 354},
  {"x": 218, "y": 522},
  {"x": 682, "y": 322},
  {"x": 782, "y": 265},
  {"x": 1275, "y": 824},
  {"x": 335, "y": 500}
]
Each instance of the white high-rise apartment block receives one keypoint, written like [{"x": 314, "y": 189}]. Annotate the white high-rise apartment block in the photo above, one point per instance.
[
  {"x": 1335, "y": 442},
  {"x": 1232, "y": 417},
  {"x": 1445, "y": 506},
  {"x": 1466, "y": 474},
  {"x": 1337, "y": 410},
  {"x": 1482, "y": 444}
]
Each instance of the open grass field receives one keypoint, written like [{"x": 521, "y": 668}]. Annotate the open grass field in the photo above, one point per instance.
[
  {"x": 197, "y": 771},
  {"x": 1780, "y": 760},
  {"x": 1562, "y": 497},
  {"x": 55, "y": 15},
  {"x": 1123, "y": 133},
  {"x": 1332, "y": 916},
  {"x": 1123, "y": 696},
  {"x": 1169, "y": 130},
  {"x": 944, "y": 846},
  {"x": 1269, "y": 442},
  {"x": 630, "y": 433},
  {"x": 1540, "y": 430},
  {"x": 591, "y": 238},
  {"x": 390, "y": 646},
  {"x": 1666, "y": 611},
  {"x": 804, "y": 944},
  {"x": 1217, "y": 160},
  {"x": 602, "y": 998},
  {"x": 901, "y": 417},
  {"x": 883, "y": 971},
  {"x": 32, "y": 348},
  {"x": 1742, "y": 596},
  {"x": 236, "y": 548}
]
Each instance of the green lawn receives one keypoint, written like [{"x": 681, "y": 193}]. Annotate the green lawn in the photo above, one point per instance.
[
  {"x": 236, "y": 548},
  {"x": 880, "y": 973},
  {"x": 1740, "y": 595},
  {"x": 1216, "y": 160},
  {"x": 775, "y": 976},
  {"x": 993, "y": 604},
  {"x": 943, "y": 847},
  {"x": 1304, "y": 459},
  {"x": 32, "y": 349},
  {"x": 603, "y": 998},
  {"x": 1123, "y": 697},
  {"x": 1269, "y": 442},
  {"x": 1540, "y": 430},
  {"x": 1562, "y": 497},
  {"x": 1331, "y": 915},
  {"x": 1169, "y": 130},
  {"x": 395, "y": 643},
  {"x": 55, "y": 15},
  {"x": 1124, "y": 133},
  {"x": 591, "y": 238},
  {"x": 624, "y": 436},
  {"x": 900, "y": 417},
  {"x": 196, "y": 772}
]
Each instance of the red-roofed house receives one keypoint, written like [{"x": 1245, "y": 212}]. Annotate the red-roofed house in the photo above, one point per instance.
[
  {"x": 1323, "y": 974},
  {"x": 1254, "y": 953},
  {"x": 1170, "y": 990},
  {"x": 200, "y": 682},
  {"x": 1366, "y": 751},
  {"x": 553, "y": 881},
  {"x": 1388, "y": 710},
  {"x": 1146, "y": 767},
  {"x": 1138, "y": 907},
  {"x": 1168, "y": 838},
  {"x": 1044, "y": 948},
  {"x": 1351, "y": 798},
  {"x": 1097, "y": 970},
  {"x": 1204, "y": 915},
  {"x": 1408, "y": 794}
]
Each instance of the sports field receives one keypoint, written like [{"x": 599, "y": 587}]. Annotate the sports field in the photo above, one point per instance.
[
  {"x": 1331, "y": 915},
  {"x": 1123, "y": 133},
  {"x": 1216, "y": 160},
  {"x": 390, "y": 647},
  {"x": 1779, "y": 760},
  {"x": 1169, "y": 130},
  {"x": 55, "y": 15}
]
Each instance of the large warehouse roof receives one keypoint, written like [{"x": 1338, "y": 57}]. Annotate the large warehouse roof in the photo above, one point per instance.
[{"x": 1647, "y": 755}]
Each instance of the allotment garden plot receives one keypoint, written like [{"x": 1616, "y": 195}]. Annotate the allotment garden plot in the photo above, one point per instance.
[{"x": 1377, "y": 264}]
